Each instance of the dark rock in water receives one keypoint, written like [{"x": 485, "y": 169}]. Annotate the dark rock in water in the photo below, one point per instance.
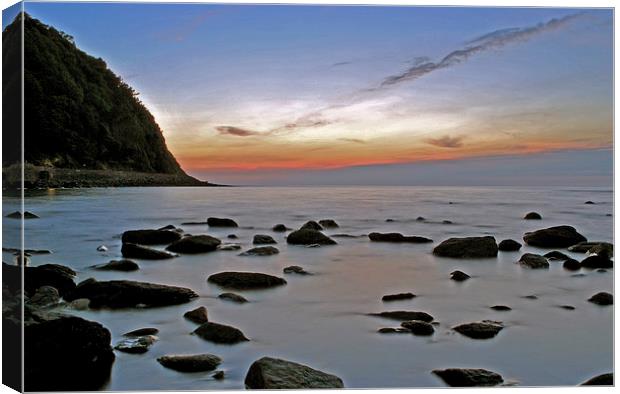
[
  {"x": 571, "y": 265},
  {"x": 311, "y": 225},
  {"x": 233, "y": 297},
  {"x": 18, "y": 215},
  {"x": 228, "y": 247},
  {"x": 589, "y": 202},
  {"x": 232, "y": 236},
  {"x": 190, "y": 362},
  {"x": 397, "y": 237},
  {"x": 446, "y": 222},
  {"x": 136, "y": 345},
  {"x": 54, "y": 275},
  {"x": 134, "y": 251},
  {"x": 17, "y": 251},
  {"x": 405, "y": 315},
  {"x": 261, "y": 251},
  {"x": 272, "y": 373},
  {"x": 585, "y": 247},
  {"x": 295, "y": 269},
  {"x": 459, "y": 276},
  {"x": 125, "y": 293},
  {"x": 150, "y": 237},
  {"x": 420, "y": 219},
  {"x": 606, "y": 379},
  {"x": 44, "y": 297},
  {"x": 328, "y": 223},
  {"x": 195, "y": 244},
  {"x": 602, "y": 298},
  {"x": 556, "y": 255},
  {"x": 346, "y": 236},
  {"x": 390, "y": 220},
  {"x": 194, "y": 223},
  {"x": 221, "y": 222},
  {"x": 309, "y": 237},
  {"x": 220, "y": 333},
  {"x": 262, "y": 239},
  {"x": 532, "y": 216},
  {"x": 390, "y": 330},
  {"x": 479, "y": 330},
  {"x": 280, "y": 228},
  {"x": 601, "y": 270},
  {"x": 533, "y": 261},
  {"x": 554, "y": 237},
  {"x": 595, "y": 261},
  {"x": 245, "y": 280},
  {"x": 603, "y": 249},
  {"x": 469, "y": 247},
  {"x": 118, "y": 265},
  {"x": 198, "y": 315},
  {"x": 568, "y": 307},
  {"x": 171, "y": 227},
  {"x": 55, "y": 344},
  {"x": 509, "y": 245},
  {"x": 397, "y": 297},
  {"x": 218, "y": 375},
  {"x": 458, "y": 377},
  {"x": 140, "y": 332},
  {"x": 418, "y": 327},
  {"x": 501, "y": 308},
  {"x": 531, "y": 297}
]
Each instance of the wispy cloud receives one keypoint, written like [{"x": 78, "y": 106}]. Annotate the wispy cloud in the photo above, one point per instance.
[
  {"x": 354, "y": 140},
  {"x": 236, "y": 131},
  {"x": 446, "y": 141},
  {"x": 340, "y": 64}
]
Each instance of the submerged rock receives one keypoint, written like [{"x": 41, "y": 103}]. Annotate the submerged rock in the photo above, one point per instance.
[
  {"x": 193, "y": 244},
  {"x": 469, "y": 247},
  {"x": 602, "y": 298},
  {"x": 584, "y": 247},
  {"x": 398, "y": 297},
  {"x": 150, "y": 237},
  {"x": 309, "y": 237},
  {"x": 220, "y": 333},
  {"x": 261, "y": 251},
  {"x": 405, "y": 315},
  {"x": 118, "y": 265},
  {"x": 18, "y": 215},
  {"x": 295, "y": 269},
  {"x": 571, "y": 265},
  {"x": 136, "y": 345},
  {"x": 140, "y": 332},
  {"x": 232, "y": 297},
  {"x": 391, "y": 330},
  {"x": 589, "y": 202},
  {"x": 221, "y": 222},
  {"x": 459, "y": 276},
  {"x": 198, "y": 315},
  {"x": 479, "y": 330},
  {"x": 311, "y": 225},
  {"x": 501, "y": 308},
  {"x": 218, "y": 375},
  {"x": 556, "y": 255},
  {"x": 328, "y": 223},
  {"x": 280, "y": 228},
  {"x": 228, "y": 247},
  {"x": 533, "y": 261},
  {"x": 418, "y": 327},
  {"x": 532, "y": 216},
  {"x": 554, "y": 237},
  {"x": 190, "y": 362},
  {"x": 245, "y": 280},
  {"x": 134, "y": 251},
  {"x": 272, "y": 373},
  {"x": 397, "y": 237},
  {"x": 263, "y": 239},
  {"x": 459, "y": 377},
  {"x": 596, "y": 261},
  {"x": 509, "y": 245},
  {"x": 606, "y": 379}
]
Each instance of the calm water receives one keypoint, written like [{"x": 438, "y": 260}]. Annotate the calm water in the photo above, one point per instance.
[{"x": 320, "y": 320}]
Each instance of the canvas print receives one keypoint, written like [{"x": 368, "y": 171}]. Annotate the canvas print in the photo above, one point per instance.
[{"x": 246, "y": 196}]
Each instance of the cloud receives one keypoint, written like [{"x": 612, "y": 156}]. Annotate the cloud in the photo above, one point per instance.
[
  {"x": 340, "y": 64},
  {"x": 236, "y": 131},
  {"x": 446, "y": 141},
  {"x": 354, "y": 140}
]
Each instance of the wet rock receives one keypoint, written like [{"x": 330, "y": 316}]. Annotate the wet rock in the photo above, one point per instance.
[
  {"x": 198, "y": 315},
  {"x": 170, "y": 227},
  {"x": 446, "y": 222},
  {"x": 150, "y": 237},
  {"x": 328, "y": 223},
  {"x": 568, "y": 307},
  {"x": 295, "y": 269},
  {"x": 533, "y": 261},
  {"x": 311, "y": 225},
  {"x": 190, "y": 362},
  {"x": 309, "y": 237},
  {"x": 601, "y": 270},
  {"x": 389, "y": 220},
  {"x": 584, "y": 247},
  {"x": 606, "y": 379},
  {"x": 603, "y": 249},
  {"x": 18, "y": 215},
  {"x": 81, "y": 304},
  {"x": 233, "y": 297},
  {"x": 195, "y": 244},
  {"x": 54, "y": 275},
  {"x": 531, "y": 297},
  {"x": 418, "y": 327},
  {"x": 397, "y": 237},
  {"x": 602, "y": 298},
  {"x": 459, "y": 276},
  {"x": 571, "y": 265},
  {"x": 232, "y": 236},
  {"x": 554, "y": 237},
  {"x": 469, "y": 247},
  {"x": 218, "y": 375},
  {"x": 245, "y": 280},
  {"x": 263, "y": 239},
  {"x": 272, "y": 373},
  {"x": 532, "y": 216},
  {"x": 596, "y": 261},
  {"x": 459, "y": 377},
  {"x": 589, "y": 202},
  {"x": 221, "y": 222},
  {"x": 134, "y": 251},
  {"x": 26, "y": 251},
  {"x": 102, "y": 248},
  {"x": 501, "y": 308},
  {"x": 390, "y": 330},
  {"x": 556, "y": 255},
  {"x": 398, "y": 297},
  {"x": 118, "y": 265},
  {"x": 125, "y": 293},
  {"x": 140, "y": 332},
  {"x": 405, "y": 315},
  {"x": 509, "y": 245},
  {"x": 261, "y": 251},
  {"x": 136, "y": 345},
  {"x": 340, "y": 235},
  {"x": 420, "y": 219},
  {"x": 220, "y": 333},
  {"x": 45, "y": 296},
  {"x": 280, "y": 228},
  {"x": 228, "y": 247},
  {"x": 479, "y": 330}
]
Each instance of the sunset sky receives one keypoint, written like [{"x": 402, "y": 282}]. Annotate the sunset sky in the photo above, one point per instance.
[{"x": 283, "y": 94}]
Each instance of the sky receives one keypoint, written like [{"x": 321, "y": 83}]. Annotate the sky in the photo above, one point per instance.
[{"x": 274, "y": 95}]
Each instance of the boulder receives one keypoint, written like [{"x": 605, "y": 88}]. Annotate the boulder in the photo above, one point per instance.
[
  {"x": 391, "y": 330},
  {"x": 459, "y": 276},
  {"x": 554, "y": 237},
  {"x": 603, "y": 249},
  {"x": 273, "y": 374},
  {"x": 295, "y": 269},
  {"x": 18, "y": 215},
  {"x": 232, "y": 297},
  {"x": 198, "y": 315},
  {"x": 532, "y": 216},
  {"x": 263, "y": 239},
  {"x": 228, "y": 247},
  {"x": 585, "y": 247},
  {"x": 54, "y": 275},
  {"x": 328, "y": 223},
  {"x": 136, "y": 345},
  {"x": 397, "y": 238},
  {"x": 221, "y": 222},
  {"x": 596, "y": 261},
  {"x": 479, "y": 330},
  {"x": 420, "y": 219},
  {"x": 533, "y": 261},
  {"x": 44, "y": 297},
  {"x": 193, "y": 244},
  {"x": 459, "y": 377},
  {"x": 469, "y": 247},
  {"x": 602, "y": 298},
  {"x": 501, "y": 308},
  {"x": 606, "y": 379},
  {"x": 232, "y": 236},
  {"x": 134, "y": 251},
  {"x": 280, "y": 228},
  {"x": 571, "y": 265},
  {"x": 405, "y": 315},
  {"x": 140, "y": 332},
  {"x": 509, "y": 245},
  {"x": 261, "y": 251},
  {"x": 218, "y": 375},
  {"x": 589, "y": 202},
  {"x": 309, "y": 237},
  {"x": 556, "y": 255},
  {"x": 118, "y": 265},
  {"x": 311, "y": 225},
  {"x": 125, "y": 293},
  {"x": 190, "y": 362},
  {"x": 245, "y": 280},
  {"x": 418, "y": 327},
  {"x": 220, "y": 333},
  {"x": 398, "y": 297},
  {"x": 150, "y": 237}
]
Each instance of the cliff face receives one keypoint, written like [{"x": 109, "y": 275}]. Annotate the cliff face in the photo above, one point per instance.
[{"x": 78, "y": 113}]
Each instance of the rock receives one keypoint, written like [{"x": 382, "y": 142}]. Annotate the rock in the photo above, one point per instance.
[
  {"x": 459, "y": 276},
  {"x": 245, "y": 280},
  {"x": 125, "y": 293},
  {"x": 102, "y": 248},
  {"x": 311, "y": 225},
  {"x": 584, "y": 247},
  {"x": 531, "y": 297},
  {"x": 420, "y": 219},
  {"x": 81, "y": 304},
  {"x": 554, "y": 237},
  {"x": 55, "y": 344},
  {"x": 602, "y": 298},
  {"x": 571, "y": 265},
  {"x": 54, "y": 275},
  {"x": 479, "y": 330},
  {"x": 556, "y": 255},
  {"x": 194, "y": 223},
  {"x": 136, "y": 345},
  {"x": 220, "y": 333},
  {"x": 446, "y": 222},
  {"x": 501, "y": 308},
  {"x": 328, "y": 223},
  {"x": 134, "y": 251},
  {"x": 18, "y": 215},
  {"x": 405, "y": 315},
  {"x": 309, "y": 237},
  {"x": 261, "y": 251},
  {"x": 271, "y": 373},
  {"x": 532, "y": 216},
  {"x": 606, "y": 379},
  {"x": 280, "y": 228},
  {"x": 397, "y": 297},
  {"x": 388, "y": 220},
  {"x": 533, "y": 261},
  {"x": 198, "y": 315},
  {"x": 26, "y": 251},
  {"x": 589, "y": 202},
  {"x": 509, "y": 245},
  {"x": 170, "y": 227},
  {"x": 150, "y": 237},
  {"x": 44, "y": 297},
  {"x": 219, "y": 375},
  {"x": 232, "y": 236},
  {"x": 233, "y": 297},
  {"x": 568, "y": 307},
  {"x": 470, "y": 247},
  {"x": 228, "y": 247},
  {"x": 596, "y": 261},
  {"x": 140, "y": 332},
  {"x": 295, "y": 269},
  {"x": 397, "y": 237},
  {"x": 603, "y": 249},
  {"x": 193, "y": 244},
  {"x": 190, "y": 362},
  {"x": 221, "y": 222},
  {"x": 390, "y": 330},
  {"x": 458, "y": 377},
  {"x": 418, "y": 327},
  {"x": 601, "y": 270},
  {"x": 118, "y": 265},
  {"x": 263, "y": 239}
]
